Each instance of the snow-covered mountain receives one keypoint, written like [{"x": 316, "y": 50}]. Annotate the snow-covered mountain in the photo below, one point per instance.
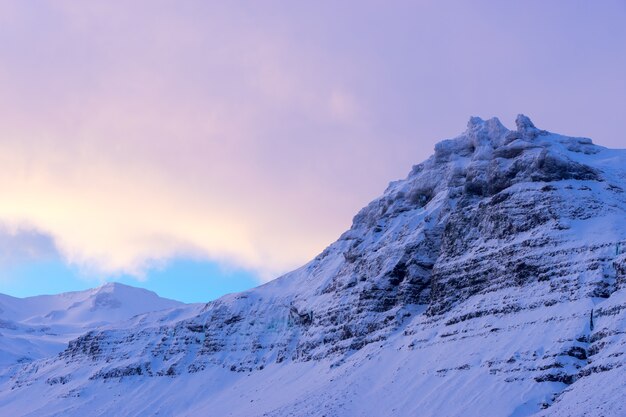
[
  {"x": 490, "y": 282},
  {"x": 38, "y": 327}
]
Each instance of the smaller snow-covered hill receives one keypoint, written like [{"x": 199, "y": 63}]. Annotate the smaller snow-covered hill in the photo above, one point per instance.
[{"x": 35, "y": 327}]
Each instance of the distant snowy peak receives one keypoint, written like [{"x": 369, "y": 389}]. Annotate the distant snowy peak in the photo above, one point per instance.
[
  {"x": 114, "y": 295},
  {"x": 108, "y": 303},
  {"x": 35, "y": 327}
]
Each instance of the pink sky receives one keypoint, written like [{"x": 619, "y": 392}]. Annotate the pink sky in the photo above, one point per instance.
[{"x": 250, "y": 133}]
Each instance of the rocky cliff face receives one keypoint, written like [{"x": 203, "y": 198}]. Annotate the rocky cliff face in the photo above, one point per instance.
[{"x": 496, "y": 272}]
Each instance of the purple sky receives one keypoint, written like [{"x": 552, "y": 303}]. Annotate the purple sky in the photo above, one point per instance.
[{"x": 248, "y": 134}]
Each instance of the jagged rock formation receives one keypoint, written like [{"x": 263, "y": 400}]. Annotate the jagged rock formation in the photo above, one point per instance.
[{"x": 495, "y": 272}]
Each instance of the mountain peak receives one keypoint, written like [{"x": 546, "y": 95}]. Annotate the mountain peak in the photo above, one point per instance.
[
  {"x": 474, "y": 121},
  {"x": 493, "y": 133},
  {"x": 115, "y": 287},
  {"x": 109, "y": 286},
  {"x": 486, "y": 139},
  {"x": 477, "y": 122},
  {"x": 524, "y": 123},
  {"x": 489, "y": 158}
]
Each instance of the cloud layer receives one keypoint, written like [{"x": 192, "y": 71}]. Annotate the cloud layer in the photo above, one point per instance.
[{"x": 249, "y": 134}]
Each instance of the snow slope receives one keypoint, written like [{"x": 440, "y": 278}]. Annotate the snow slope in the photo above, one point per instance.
[
  {"x": 490, "y": 282},
  {"x": 38, "y": 327}
]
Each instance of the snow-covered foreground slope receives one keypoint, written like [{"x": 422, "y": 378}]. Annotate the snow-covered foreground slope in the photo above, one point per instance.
[
  {"x": 490, "y": 282},
  {"x": 38, "y": 327}
]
